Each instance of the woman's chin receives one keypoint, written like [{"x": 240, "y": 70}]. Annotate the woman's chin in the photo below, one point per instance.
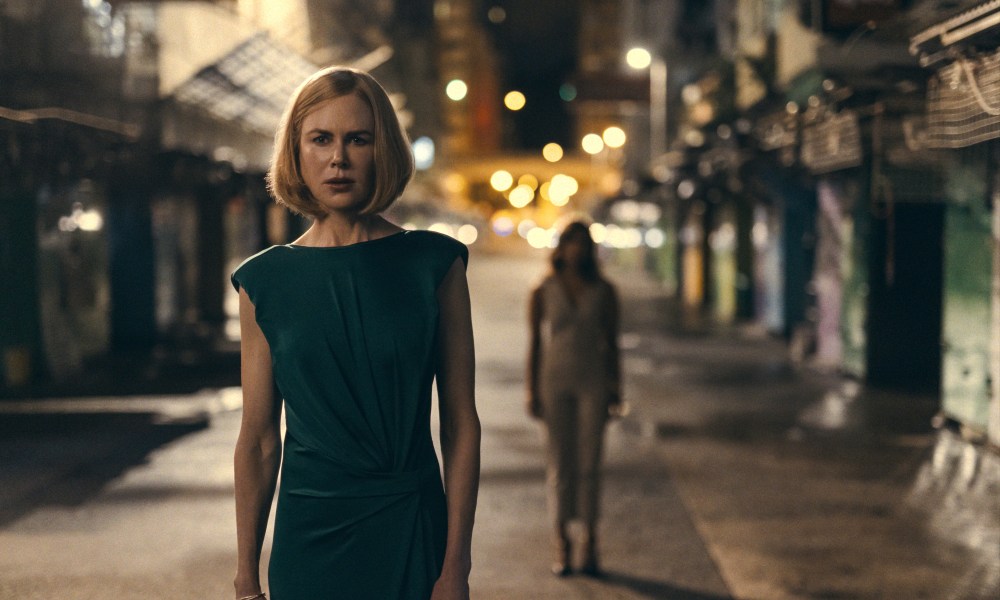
[{"x": 340, "y": 205}]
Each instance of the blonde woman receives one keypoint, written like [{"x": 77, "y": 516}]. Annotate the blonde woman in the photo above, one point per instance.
[{"x": 346, "y": 328}]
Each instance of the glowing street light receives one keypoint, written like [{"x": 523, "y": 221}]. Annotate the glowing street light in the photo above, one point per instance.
[{"x": 640, "y": 58}]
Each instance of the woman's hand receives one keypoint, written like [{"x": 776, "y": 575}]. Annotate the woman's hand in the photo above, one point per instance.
[
  {"x": 451, "y": 585},
  {"x": 617, "y": 407},
  {"x": 533, "y": 406},
  {"x": 246, "y": 586}
]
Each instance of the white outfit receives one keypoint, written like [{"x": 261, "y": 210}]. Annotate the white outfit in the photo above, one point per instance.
[{"x": 576, "y": 382}]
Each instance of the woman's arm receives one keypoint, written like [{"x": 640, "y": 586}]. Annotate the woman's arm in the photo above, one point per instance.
[
  {"x": 614, "y": 354},
  {"x": 460, "y": 430},
  {"x": 534, "y": 403},
  {"x": 258, "y": 450}
]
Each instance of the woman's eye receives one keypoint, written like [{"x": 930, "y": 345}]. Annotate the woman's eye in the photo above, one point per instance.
[{"x": 358, "y": 140}]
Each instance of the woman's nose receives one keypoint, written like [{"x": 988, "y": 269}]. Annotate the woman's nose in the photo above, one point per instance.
[{"x": 339, "y": 157}]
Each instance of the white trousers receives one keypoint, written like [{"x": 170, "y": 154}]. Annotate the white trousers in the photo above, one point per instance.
[{"x": 575, "y": 433}]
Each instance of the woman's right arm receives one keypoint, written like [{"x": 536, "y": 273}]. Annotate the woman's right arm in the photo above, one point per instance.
[
  {"x": 534, "y": 403},
  {"x": 258, "y": 450}
]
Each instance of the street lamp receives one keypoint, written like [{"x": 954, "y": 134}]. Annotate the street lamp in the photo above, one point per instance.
[{"x": 640, "y": 58}]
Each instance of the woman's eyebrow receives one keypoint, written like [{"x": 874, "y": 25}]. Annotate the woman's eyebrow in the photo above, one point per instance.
[{"x": 349, "y": 133}]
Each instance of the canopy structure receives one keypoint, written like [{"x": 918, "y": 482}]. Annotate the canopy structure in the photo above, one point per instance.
[{"x": 250, "y": 85}]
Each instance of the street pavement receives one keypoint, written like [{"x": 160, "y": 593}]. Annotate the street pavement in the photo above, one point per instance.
[{"x": 735, "y": 475}]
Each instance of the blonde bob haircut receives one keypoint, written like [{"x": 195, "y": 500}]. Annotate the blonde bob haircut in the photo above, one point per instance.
[{"x": 392, "y": 156}]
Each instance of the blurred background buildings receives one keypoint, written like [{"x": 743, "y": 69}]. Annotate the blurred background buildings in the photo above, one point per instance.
[{"x": 822, "y": 170}]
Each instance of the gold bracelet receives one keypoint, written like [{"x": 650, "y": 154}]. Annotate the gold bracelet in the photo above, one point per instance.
[{"x": 254, "y": 597}]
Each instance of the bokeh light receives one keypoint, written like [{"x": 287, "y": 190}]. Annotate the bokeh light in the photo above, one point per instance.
[
  {"x": 539, "y": 238},
  {"x": 638, "y": 58},
  {"x": 496, "y": 15},
  {"x": 592, "y": 143},
  {"x": 552, "y": 152},
  {"x": 521, "y": 196},
  {"x": 655, "y": 238},
  {"x": 561, "y": 188},
  {"x": 514, "y": 100},
  {"x": 423, "y": 153},
  {"x": 467, "y": 234},
  {"x": 525, "y": 226},
  {"x": 685, "y": 189},
  {"x": 614, "y": 137},
  {"x": 456, "y": 89},
  {"x": 444, "y": 228},
  {"x": 454, "y": 183},
  {"x": 567, "y": 92},
  {"x": 502, "y": 223},
  {"x": 598, "y": 232},
  {"x": 501, "y": 180},
  {"x": 529, "y": 180}
]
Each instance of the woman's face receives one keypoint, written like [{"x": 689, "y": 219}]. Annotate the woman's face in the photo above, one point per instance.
[
  {"x": 337, "y": 153},
  {"x": 574, "y": 248}
]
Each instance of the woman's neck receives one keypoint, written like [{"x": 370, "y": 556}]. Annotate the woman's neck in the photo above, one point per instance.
[
  {"x": 341, "y": 230},
  {"x": 572, "y": 273}
]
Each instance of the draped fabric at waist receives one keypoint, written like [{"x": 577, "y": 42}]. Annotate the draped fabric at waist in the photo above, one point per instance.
[{"x": 305, "y": 472}]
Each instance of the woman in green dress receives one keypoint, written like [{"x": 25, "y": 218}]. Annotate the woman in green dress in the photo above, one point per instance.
[{"x": 346, "y": 329}]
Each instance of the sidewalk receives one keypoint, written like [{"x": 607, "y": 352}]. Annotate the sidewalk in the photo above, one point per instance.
[{"x": 798, "y": 482}]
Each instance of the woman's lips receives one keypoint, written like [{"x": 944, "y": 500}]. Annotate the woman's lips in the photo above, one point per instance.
[{"x": 338, "y": 184}]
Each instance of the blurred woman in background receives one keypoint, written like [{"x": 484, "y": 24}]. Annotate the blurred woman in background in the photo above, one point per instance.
[{"x": 574, "y": 383}]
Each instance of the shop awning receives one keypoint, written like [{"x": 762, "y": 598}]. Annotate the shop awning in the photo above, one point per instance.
[
  {"x": 962, "y": 106},
  {"x": 250, "y": 85},
  {"x": 975, "y": 23}
]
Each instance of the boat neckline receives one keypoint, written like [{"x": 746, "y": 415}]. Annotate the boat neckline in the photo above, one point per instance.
[{"x": 352, "y": 245}]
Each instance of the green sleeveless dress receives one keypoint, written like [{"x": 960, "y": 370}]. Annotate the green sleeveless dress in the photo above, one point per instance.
[{"x": 353, "y": 332}]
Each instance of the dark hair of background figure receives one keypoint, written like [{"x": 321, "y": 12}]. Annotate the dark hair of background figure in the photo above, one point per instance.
[{"x": 588, "y": 266}]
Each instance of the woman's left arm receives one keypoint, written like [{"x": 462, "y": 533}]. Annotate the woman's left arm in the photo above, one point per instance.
[
  {"x": 460, "y": 430},
  {"x": 614, "y": 354}
]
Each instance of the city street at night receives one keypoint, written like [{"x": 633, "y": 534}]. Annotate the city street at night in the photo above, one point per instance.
[
  {"x": 716, "y": 485},
  {"x": 734, "y": 269}
]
